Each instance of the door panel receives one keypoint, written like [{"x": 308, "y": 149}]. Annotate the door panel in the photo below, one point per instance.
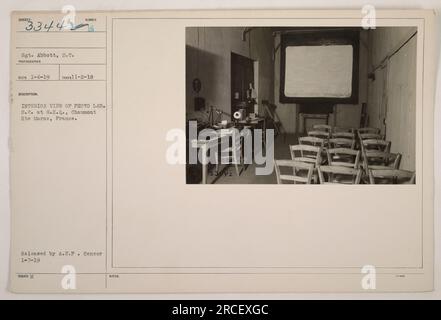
[{"x": 242, "y": 74}]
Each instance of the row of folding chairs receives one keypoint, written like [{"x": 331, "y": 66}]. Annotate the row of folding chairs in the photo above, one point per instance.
[
  {"x": 331, "y": 129},
  {"x": 375, "y": 150},
  {"x": 344, "y": 156},
  {"x": 332, "y": 174},
  {"x": 328, "y": 136},
  {"x": 326, "y": 174},
  {"x": 340, "y": 164}
]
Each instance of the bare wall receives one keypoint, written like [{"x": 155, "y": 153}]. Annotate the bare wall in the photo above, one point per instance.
[
  {"x": 208, "y": 57},
  {"x": 392, "y": 95},
  {"x": 348, "y": 115}
]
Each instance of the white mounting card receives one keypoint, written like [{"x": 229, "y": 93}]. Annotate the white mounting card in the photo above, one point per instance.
[{"x": 97, "y": 206}]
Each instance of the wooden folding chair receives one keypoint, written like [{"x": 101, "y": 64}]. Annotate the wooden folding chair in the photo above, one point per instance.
[
  {"x": 344, "y": 157},
  {"x": 343, "y": 130},
  {"x": 322, "y": 127},
  {"x": 233, "y": 152},
  {"x": 309, "y": 154},
  {"x": 306, "y": 153},
  {"x": 391, "y": 176},
  {"x": 343, "y": 135},
  {"x": 368, "y": 130},
  {"x": 312, "y": 141},
  {"x": 319, "y": 134},
  {"x": 295, "y": 167},
  {"x": 374, "y": 159},
  {"x": 370, "y": 136},
  {"x": 270, "y": 110},
  {"x": 338, "y": 175},
  {"x": 341, "y": 143},
  {"x": 322, "y": 135},
  {"x": 376, "y": 144}
]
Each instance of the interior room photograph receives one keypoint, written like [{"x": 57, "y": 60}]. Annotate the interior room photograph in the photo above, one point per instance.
[{"x": 340, "y": 103}]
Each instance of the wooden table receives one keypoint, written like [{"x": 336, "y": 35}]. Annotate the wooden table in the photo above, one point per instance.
[
  {"x": 256, "y": 123},
  {"x": 206, "y": 145}
]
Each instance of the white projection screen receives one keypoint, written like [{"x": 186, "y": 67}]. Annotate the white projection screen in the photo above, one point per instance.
[{"x": 321, "y": 71}]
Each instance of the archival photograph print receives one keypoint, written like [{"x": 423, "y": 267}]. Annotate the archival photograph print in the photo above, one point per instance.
[
  {"x": 300, "y": 105},
  {"x": 120, "y": 119}
]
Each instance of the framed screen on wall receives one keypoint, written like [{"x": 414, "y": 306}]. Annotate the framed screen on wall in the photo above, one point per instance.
[{"x": 319, "y": 66}]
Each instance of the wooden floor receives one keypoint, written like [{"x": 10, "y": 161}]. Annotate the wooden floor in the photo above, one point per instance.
[{"x": 248, "y": 175}]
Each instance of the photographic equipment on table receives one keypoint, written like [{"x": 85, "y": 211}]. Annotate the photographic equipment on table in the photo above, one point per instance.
[{"x": 239, "y": 115}]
